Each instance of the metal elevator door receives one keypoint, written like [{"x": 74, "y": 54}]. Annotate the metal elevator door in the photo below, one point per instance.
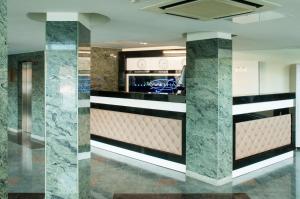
[{"x": 27, "y": 97}]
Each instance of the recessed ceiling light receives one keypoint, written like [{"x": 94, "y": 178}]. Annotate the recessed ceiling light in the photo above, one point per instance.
[
  {"x": 134, "y": 1},
  {"x": 258, "y": 17},
  {"x": 113, "y": 55},
  {"x": 143, "y": 43}
]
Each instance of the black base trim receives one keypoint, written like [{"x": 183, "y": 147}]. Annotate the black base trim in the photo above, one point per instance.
[
  {"x": 140, "y": 149},
  {"x": 237, "y": 164},
  {"x": 26, "y": 195}
]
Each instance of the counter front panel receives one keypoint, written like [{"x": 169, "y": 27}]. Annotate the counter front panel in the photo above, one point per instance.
[
  {"x": 153, "y": 127},
  {"x": 257, "y": 136},
  {"x": 262, "y": 129},
  {"x": 156, "y": 133}
]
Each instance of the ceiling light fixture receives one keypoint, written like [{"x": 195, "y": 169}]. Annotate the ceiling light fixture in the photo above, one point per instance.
[
  {"x": 113, "y": 55},
  {"x": 258, "y": 17},
  {"x": 134, "y": 1},
  {"x": 143, "y": 43}
]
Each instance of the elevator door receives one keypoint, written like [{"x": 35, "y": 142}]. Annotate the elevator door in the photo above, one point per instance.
[{"x": 26, "y": 96}]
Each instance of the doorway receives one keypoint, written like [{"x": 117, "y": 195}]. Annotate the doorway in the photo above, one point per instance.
[{"x": 26, "y": 97}]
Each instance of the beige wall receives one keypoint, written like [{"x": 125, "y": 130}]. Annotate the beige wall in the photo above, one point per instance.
[
  {"x": 275, "y": 68},
  {"x": 105, "y": 69}
]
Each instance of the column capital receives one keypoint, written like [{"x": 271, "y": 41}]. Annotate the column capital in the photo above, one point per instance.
[
  {"x": 69, "y": 16},
  {"x": 196, "y": 36}
]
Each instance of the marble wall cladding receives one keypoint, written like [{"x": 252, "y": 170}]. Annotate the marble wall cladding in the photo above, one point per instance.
[
  {"x": 105, "y": 69},
  {"x": 3, "y": 99},
  {"x": 61, "y": 110},
  {"x": 209, "y": 108},
  {"x": 38, "y": 91}
]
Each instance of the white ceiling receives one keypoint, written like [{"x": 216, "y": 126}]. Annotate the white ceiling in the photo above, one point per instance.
[{"x": 130, "y": 25}]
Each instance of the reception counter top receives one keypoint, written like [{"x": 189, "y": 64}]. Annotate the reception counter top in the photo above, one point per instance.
[
  {"x": 237, "y": 100},
  {"x": 141, "y": 96},
  {"x": 263, "y": 98}
]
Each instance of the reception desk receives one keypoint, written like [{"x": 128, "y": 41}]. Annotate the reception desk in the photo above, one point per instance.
[
  {"x": 151, "y": 128},
  {"x": 264, "y": 131}
]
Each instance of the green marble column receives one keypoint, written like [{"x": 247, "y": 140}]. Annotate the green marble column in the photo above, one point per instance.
[
  {"x": 3, "y": 99},
  {"x": 67, "y": 107},
  {"x": 209, "y": 108}
]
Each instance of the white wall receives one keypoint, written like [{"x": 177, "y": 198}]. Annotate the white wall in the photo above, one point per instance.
[
  {"x": 296, "y": 70},
  {"x": 275, "y": 69},
  {"x": 245, "y": 78}
]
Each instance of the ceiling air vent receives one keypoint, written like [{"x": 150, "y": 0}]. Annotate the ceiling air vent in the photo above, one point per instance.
[{"x": 210, "y": 9}]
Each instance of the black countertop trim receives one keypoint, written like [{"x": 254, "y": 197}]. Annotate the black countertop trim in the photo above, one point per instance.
[
  {"x": 144, "y": 150},
  {"x": 140, "y": 111},
  {"x": 182, "y": 99},
  {"x": 140, "y": 96},
  {"x": 263, "y": 98}
]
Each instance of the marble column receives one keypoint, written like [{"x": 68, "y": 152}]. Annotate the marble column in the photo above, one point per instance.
[
  {"x": 67, "y": 103},
  {"x": 3, "y": 99},
  {"x": 209, "y": 107}
]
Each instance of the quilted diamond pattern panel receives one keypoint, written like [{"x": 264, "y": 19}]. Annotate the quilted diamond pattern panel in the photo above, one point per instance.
[
  {"x": 157, "y": 133},
  {"x": 257, "y": 136}
]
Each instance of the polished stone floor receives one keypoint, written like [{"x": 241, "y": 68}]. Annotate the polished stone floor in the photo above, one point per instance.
[
  {"x": 26, "y": 165},
  {"x": 109, "y": 177}
]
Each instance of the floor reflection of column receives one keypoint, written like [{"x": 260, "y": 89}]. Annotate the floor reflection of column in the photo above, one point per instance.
[
  {"x": 84, "y": 178},
  {"x": 297, "y": 173},
  {"x": 26, "y": 152},
  {"x": 277, "y": 181}
]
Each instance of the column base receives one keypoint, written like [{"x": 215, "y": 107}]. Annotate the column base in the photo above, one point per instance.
[
  {"x": 38, "y": 138},
  {"x": 209, "y": 180},
  {"x": 140, "y": 156},
  {"x": 84, "y": 155},
  {"x": 262, "y": 164}
]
